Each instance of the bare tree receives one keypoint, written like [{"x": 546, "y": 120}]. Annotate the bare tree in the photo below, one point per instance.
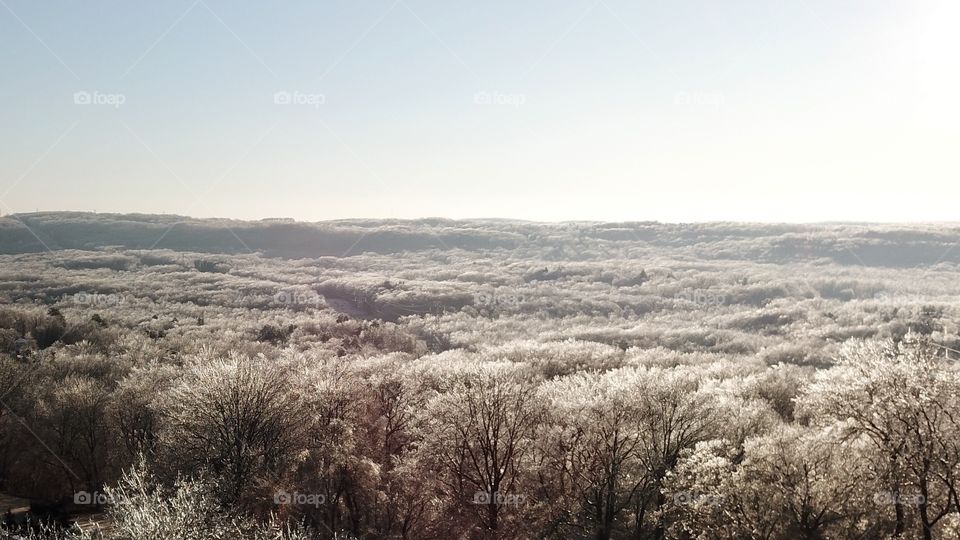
[
  {"x": 235, "y": 419},
  {"x": 905, "y": 398},
  {"x": 481, "y": 435}
]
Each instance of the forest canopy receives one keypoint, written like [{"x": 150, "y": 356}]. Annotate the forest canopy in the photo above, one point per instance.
[{"x": 170, "y": 377}]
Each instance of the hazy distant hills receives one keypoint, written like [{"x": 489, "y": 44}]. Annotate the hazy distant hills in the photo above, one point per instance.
[
  {"x": 68, "y": 230},
  {"x": 854, "y": 244}
]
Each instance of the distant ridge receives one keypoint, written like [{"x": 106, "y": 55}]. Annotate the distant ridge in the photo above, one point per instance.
[{"x": 852, "y": 244}]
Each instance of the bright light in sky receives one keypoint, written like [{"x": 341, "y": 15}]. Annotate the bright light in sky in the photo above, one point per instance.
[{"x": 543, "y": 109}]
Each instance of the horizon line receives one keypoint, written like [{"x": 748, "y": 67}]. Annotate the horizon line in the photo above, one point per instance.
[{"x": 480, "y": 219}]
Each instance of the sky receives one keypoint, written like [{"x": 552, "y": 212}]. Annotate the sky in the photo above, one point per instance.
[{"x": 548, "y": 110}]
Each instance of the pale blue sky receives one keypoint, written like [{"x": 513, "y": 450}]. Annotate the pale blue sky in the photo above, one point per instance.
[{"x": 802, "y": 110}]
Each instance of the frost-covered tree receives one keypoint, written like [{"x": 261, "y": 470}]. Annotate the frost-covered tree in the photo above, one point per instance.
[
  {"x": 793, "y": 483},
  {"x": 904, "y": 397},
  {"x": 481, "y": 436},
  {"x": 234, "y": 419},
  {"x": 595, "y": 450}
]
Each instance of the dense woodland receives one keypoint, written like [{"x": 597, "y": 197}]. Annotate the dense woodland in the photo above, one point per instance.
[{"x": 163, "y": 377}]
